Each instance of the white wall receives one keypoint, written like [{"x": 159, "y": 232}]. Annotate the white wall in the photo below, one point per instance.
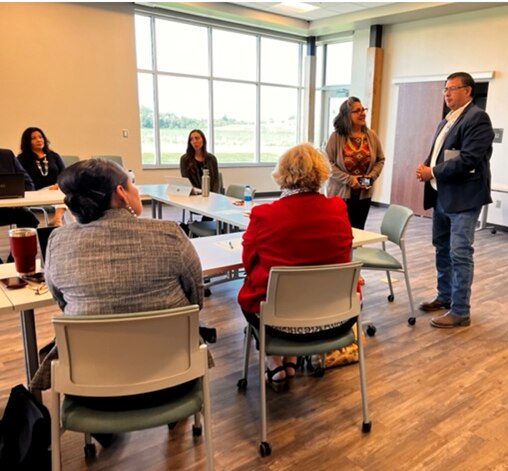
[{"x": 70, "y": 69}]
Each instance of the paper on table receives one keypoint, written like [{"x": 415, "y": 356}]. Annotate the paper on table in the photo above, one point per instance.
[
  {"x": 232, "y": 244},
  {"x": 228, "y": 211}
]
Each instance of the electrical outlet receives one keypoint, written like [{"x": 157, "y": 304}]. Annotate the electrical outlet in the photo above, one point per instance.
[{"x": 498, "y": 204}]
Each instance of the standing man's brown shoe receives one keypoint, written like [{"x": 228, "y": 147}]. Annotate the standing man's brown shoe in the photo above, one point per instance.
[
  {"x": 435, "y": 305},
  {"x": 450, "y": 320}
]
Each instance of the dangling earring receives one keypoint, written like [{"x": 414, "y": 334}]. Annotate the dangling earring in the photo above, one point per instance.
[{"x": 131, "y": 210}]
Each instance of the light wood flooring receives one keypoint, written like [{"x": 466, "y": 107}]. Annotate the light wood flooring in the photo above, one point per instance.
[{"x": 438, "y": 399}]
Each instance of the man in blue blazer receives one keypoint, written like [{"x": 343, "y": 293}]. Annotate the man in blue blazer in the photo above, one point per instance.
[{"x": 457, "y": 185}]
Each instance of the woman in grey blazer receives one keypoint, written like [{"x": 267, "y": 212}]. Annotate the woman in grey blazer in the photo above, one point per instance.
[{"x": 111, "y": 261}]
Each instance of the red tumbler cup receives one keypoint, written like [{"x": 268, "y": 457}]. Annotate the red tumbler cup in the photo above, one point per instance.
[{"x": 23, "y": 242}]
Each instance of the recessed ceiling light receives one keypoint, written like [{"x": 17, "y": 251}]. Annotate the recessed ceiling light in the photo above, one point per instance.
[{"x": 295, "y": 7}]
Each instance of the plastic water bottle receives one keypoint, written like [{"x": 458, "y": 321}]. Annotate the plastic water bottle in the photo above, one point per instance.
[
  {"x": 131, "y": 176},
  {"x": 247, "y": 197},
  {"x": 205, "y": 183}
]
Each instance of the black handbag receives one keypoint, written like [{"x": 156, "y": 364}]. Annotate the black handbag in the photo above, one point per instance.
[{"x": 25, "y": 433}]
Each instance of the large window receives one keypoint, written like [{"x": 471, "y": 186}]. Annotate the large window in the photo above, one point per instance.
[
  {"x": 334, "y": 62},
  {"x": 242, "y": 89}
]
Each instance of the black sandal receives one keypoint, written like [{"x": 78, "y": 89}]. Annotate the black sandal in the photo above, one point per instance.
[
  {"x": 278, "y": 385},
  {"x": 290, "y": 364}
]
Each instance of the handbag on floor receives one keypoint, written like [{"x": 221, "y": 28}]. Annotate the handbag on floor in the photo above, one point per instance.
[
  {"x": 25, "y": 433},
  {"x": 339, "y": 357}
]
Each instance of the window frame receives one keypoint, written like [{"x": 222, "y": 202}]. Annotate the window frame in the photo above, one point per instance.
[{"x": 258, "y": 84}]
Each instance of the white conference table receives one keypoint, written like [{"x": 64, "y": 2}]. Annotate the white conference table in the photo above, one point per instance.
[
  {"x": 25, "y": 301},
  {"x": 44, "y": 197},
  {"x": 217, "y": 206},
  {"x": 223, "y": 252}
]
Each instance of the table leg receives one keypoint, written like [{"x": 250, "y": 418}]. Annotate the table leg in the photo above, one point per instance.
[
  {"x": 27, "y": 319},
  {"x": 154, "y": 209}
]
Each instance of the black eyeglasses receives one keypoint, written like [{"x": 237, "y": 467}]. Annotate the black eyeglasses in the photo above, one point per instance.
[
  {"x": 452, "y": 89},
  {"x": 360, "y": 110}
]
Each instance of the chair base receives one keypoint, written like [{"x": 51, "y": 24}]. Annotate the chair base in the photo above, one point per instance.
[{"x": 265, "y": 449}]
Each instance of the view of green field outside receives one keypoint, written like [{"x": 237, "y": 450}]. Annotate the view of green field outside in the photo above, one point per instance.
[{"x": 234, "y": 143}]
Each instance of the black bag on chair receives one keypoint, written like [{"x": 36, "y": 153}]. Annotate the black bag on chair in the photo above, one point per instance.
[{"x": 25, "y": 433}]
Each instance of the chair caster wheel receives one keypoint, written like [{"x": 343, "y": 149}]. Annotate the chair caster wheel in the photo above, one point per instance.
[
  {"x": 390, "y": 298},
  {"x": 371, "y": 330},
  {"x": 207, "y": 292},
  {"x": 90, "y": 450},
  {"x": 319, "y": 372},
  {"x": 196, "y": 431},
  {"x": 265, "y": 449},
  {"x": 411, "y": 321},
  {"x": 366, "y": 426},
  {"x": 242, "y": 384}
]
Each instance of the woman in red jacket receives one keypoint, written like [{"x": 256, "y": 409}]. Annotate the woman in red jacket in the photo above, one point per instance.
[{"x": 303, "y": 227}]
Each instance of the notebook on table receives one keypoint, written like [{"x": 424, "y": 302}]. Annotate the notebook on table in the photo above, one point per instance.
[
  {"x": 12, "y": 185},
  {"x": 179, "y": 186}
]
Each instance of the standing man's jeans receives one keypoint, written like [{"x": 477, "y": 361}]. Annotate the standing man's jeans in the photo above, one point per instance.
[{"x": 453, "y": 237}]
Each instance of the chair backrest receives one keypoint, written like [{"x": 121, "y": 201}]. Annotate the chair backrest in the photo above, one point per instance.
[
  {"x": 70, "y": 159},
  {"x": 303, "y": 296},
  {"x": 115, "y": 355},
  {"x": 221, "y": 184},
  {"x": 238, "y": 191},
  {"x": 235, "y": 191},
  {"x": 395, "y": 222},
  {"x": 115, "y": 158}
]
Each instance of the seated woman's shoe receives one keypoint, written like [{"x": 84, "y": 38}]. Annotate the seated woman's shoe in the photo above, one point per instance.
[
  {"x": 290, "y": 365},
  {"x": 208, "y": 334},
  {"x": 290, "y": 368},
  {"x": 277, "y": 384}
]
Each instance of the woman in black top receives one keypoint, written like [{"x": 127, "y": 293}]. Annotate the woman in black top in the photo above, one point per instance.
[
  {"x": 198, "y": 158},
  {"x": 42, "y": 164}
]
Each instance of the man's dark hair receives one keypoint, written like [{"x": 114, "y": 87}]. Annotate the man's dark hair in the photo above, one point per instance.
[{"x": 466, "y": 79}]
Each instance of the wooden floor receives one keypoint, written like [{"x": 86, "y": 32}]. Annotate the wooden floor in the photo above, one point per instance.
[{"x": 438, "y": 399}]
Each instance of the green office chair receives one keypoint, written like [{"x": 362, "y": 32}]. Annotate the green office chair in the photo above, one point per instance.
[
  {"x": 70, "y": 159},
  {"x": 393, "y": 226},
  {"x": 107, "y": 356},
  {"x": 306, "y": 296},
  {"x": 209, "y": 228},
  {"x": 115, "y": 158}
]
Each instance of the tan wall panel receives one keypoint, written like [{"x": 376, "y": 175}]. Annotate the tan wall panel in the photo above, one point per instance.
[{"x": 70, "y": 69}]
